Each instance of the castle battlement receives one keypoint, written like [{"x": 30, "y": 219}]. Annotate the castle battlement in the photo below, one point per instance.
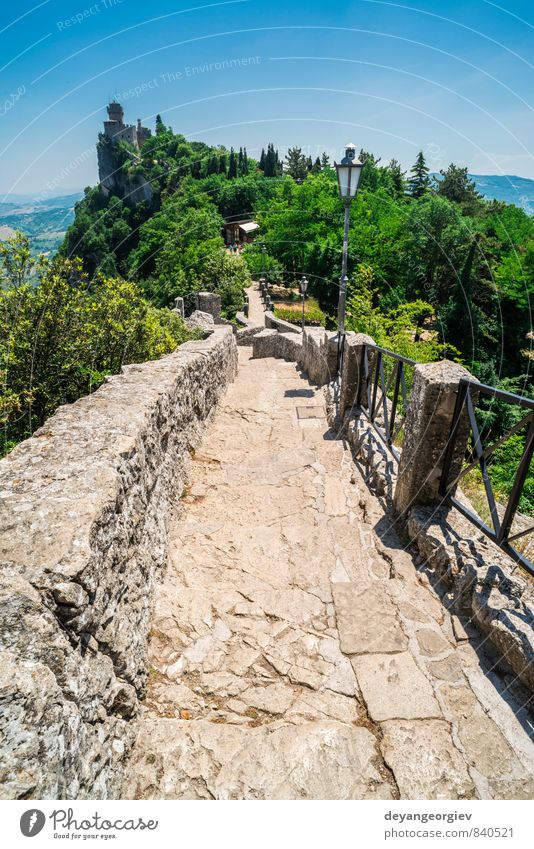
[{"x": 116, "y": 130}]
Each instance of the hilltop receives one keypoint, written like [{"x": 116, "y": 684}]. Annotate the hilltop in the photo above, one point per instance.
[{"x": 511, "y": 189}]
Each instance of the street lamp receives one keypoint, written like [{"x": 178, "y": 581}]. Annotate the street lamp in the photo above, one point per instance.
[
  {"x": 303, "y": 286},
  {"x": 264, "y": 255},
  {"x": 348, "y": 177},
  {"x": 263, "y": 279}
]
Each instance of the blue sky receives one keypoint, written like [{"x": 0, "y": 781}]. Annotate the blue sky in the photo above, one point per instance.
[{"x": 453, "y": 79}]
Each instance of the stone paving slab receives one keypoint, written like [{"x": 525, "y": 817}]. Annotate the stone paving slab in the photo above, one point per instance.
[
  {"x": 367, "y": 620},
  {"x": 394, "y": 687},
  {"x": 296, "y": 650},
  {"x": 423, "y": 761}
]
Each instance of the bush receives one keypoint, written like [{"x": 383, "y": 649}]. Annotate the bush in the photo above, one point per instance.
[
  {"x": 313, "y": 315},
  {"x": 60, "y": 336}
]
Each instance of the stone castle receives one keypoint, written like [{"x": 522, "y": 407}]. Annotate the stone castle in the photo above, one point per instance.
[
  {"x": 110, "y": 173},
  {"x": 116, "y": 130}
]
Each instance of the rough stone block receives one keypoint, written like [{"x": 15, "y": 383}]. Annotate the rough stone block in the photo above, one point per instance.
[
  {"x": 210, "y": 303},
  {"x": 485, "y": 745},
  {"x": 199, "y": 320},
  {"x": 315, "y": 355},
  {"x": 394, "y": 687},
  {"x": 203, "y": 760},
  {"x": 424, "y": 760},
  {"x": 426, "y": 434},
  {"x": 353, "y": 390},
  {"x": 367, "y": 620}
]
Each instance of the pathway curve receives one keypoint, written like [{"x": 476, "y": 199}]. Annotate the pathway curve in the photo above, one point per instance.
[{"x": 296, "y": 652}]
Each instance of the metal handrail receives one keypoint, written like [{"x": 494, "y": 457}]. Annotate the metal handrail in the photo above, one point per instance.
[
  {"x": 469, "y": 392},
  {"x": 374, "y": 377}
]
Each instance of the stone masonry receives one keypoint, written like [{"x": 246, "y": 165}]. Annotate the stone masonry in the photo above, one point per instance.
[
  {"x": 296, "y": 650},
  {"x": 83, "y": 529}
]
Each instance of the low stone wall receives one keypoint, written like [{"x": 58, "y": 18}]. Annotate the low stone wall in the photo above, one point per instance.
[
  {"x": 313, "y": 350},
  {"x": 246, "y": 333},
  {"x": 273, "y": 323},
  {"x": 281, "y": 346},
  {"x": 83, "y": 540},
  {"x": 319, "y": 355},
  {"x": 478, "y": 583}
]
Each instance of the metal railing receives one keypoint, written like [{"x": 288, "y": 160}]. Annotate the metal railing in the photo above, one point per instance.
[
  {"x": 385, "y": 371},
  {"x": 469, "y": 393}
]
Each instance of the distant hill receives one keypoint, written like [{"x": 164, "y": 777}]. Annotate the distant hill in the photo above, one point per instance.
[
  {"x": 44, "y": 220},
  {"x": 518, "y": 190}
]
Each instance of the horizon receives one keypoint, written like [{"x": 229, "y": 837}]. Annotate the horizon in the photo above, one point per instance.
[{"x": 395, "y": 79}]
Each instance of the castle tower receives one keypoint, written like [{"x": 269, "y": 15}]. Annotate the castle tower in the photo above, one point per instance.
[{"x": 116, "y": 112}]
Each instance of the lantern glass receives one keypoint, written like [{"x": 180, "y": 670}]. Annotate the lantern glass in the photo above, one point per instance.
[
  {"x": 348, "y": 177},
  {"x": 348, "y": 173},
  {"x": 303, "y": 286}
]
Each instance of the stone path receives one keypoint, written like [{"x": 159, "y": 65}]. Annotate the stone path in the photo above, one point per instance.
[
  {"x": 256, "y": 312},
  {"x": 296, "y": 652}
]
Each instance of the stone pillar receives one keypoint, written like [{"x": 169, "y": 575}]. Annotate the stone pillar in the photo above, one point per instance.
[
  {"x": 426, "y": 433},
  {"x": 179, "y": 306},
  {"x": 353, "y": 390},
  {"x": 210, "y": 303}
]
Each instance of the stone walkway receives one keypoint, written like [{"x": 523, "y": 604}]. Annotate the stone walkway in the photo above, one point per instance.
[
  {"x": 295, "y": 650},
  {"x": 256, "y": 311}
]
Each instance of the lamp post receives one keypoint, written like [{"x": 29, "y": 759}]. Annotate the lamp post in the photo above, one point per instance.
[
  {"x": 263, "y": 278},
  {"x": 348, "y": 177},
  {"x": 264, "y": 266},
  {"x": 303, "y": 286}
]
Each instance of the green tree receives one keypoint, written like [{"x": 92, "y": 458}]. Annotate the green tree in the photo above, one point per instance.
[
  {"x": 461, "y": 317},
  {"x": 296, "y": 163},
  {"x": 61, "y": 334},
  {"x": 397, "y": 177},
  {"x": 232, "y": 165},
  {"x": 456, "y": 186},
  {"x": 419, "y": 182}
]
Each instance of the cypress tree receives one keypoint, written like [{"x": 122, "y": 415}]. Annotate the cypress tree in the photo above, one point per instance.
[
  {"x": 271, "y": 161},
  {"x": 232, "y": 165}
]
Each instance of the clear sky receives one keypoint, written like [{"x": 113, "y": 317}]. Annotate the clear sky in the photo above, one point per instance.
[{"x": 454, "y": 79}]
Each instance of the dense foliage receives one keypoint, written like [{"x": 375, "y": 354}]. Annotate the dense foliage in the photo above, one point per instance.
[
  {"x": 434, "y": 269},
  {"x": 61, "y": 334}
]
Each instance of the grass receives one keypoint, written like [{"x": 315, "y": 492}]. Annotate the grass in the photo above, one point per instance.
[{"x": 292, "y": 312}]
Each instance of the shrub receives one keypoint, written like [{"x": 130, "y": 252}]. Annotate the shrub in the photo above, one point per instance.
[{"x": 60, "y": 336}]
